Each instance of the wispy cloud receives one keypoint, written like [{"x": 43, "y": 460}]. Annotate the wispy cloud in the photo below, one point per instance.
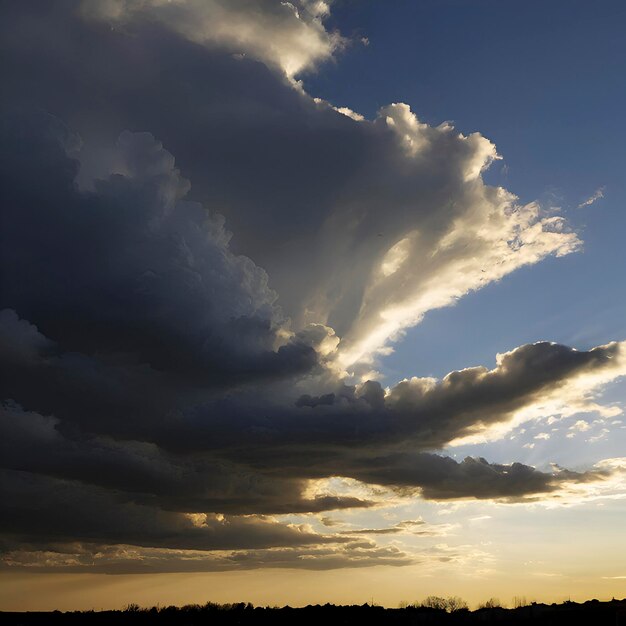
[{"x": 596, "y": 195}]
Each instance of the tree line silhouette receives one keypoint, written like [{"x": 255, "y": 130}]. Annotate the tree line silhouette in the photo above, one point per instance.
[{"x": 433, "y": 610}]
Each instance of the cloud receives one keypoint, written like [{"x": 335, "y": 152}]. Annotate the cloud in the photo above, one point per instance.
[
  {"x": 65, "y": 511},
  {"x": 443, "y": 233},
  {"x": 407, "y": 527},
  {"x": 289, "y": 35},
  {"x": 398, "y": 194},
  {"x": 596, "y": 195},
  {"x": 476, "y": 403},
  {"x": 145, "y": 473},
  {"x": 153, "y": 266},
  {"x": 543, "y": 436},
  {"x": 238, "y": 444},
  {"x": 169, "y": 385},
  {"x": 94, "y": 558},
  {"x": 580, "y": 426}
]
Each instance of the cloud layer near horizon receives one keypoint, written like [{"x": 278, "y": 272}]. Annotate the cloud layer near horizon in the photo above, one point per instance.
[{"x": 171, "y": 387}]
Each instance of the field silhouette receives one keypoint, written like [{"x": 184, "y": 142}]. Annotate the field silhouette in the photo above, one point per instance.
[{"x": 432, "y": 611}]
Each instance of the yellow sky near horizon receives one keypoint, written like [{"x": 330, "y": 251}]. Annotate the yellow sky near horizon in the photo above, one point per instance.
[
  {"x": 388, "y": 587},
  {"x": 542, "y": 552}
]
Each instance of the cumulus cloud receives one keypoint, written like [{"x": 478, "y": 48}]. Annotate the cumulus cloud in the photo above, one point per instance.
[
  {"x": 156, "y": 277},
  {"x": 168, "y": 387},
  {"x": 403, "y": 201},
  {"x": 442, "y": 234},
  {"x": 580, "y": 426},
  {"x": 477, "y": 403}
]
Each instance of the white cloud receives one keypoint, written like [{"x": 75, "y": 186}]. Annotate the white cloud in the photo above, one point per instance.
[
  {"x": 610, "y": 485},
  {"x": 600, "y": 436},
  {"x": 596, "y": 195},
  {"x": 289, "y": 35},
  {"x": 448, "y": 235},
  {"x": 357, "y": 117}
]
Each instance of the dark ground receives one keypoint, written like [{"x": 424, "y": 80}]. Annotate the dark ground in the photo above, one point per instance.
[{"x": 591, "y": 613}]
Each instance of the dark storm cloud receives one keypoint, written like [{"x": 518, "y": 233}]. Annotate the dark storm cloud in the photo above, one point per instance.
[
  {"x": 34, "y": 506},
  {"x": 235, "y": 131},
  {"x": 146, "y": 473},
  {"x": 257, "y": 150},
  {"x": 164, "y": 391},
  {"x": 66, "y": 484},
  {"x": 443, "y": 478},
  {"x": 429, "y": 413},
  {"x": 132, "y": 267},
  {"x": 248, "y": 455}
]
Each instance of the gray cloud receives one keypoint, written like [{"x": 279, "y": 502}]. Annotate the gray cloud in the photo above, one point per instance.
[
  {"x": 156, "y": 278},
  {"x": 65, "y": 511},
  {"x": 146, "y": 473},
  {"x": 409, "y": 527},
  {"x": 258, "y": 454},
  {"x": 65, "y": 483},
  {"x": 168, "y": 385},
  {"x": 91, "y": 558},
  {"x": 443, "y": 478},
  {"x": 402, "y": 200}
]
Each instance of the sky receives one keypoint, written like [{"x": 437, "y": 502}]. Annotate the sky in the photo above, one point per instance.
[{"x": 307, "y": 302}]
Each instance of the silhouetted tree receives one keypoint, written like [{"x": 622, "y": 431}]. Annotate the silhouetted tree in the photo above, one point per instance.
[
  {"x": 492, "y": 603},
  {"x": 435, "y": 602},
  {"x": 454, "y": 603}
]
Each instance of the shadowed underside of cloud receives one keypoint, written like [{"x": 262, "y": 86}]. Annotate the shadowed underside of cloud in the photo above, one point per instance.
[
  {"x": 202, "y": 478},
  {"x": 168, "y": 386},
  {"x": 106, "y": 559}
]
